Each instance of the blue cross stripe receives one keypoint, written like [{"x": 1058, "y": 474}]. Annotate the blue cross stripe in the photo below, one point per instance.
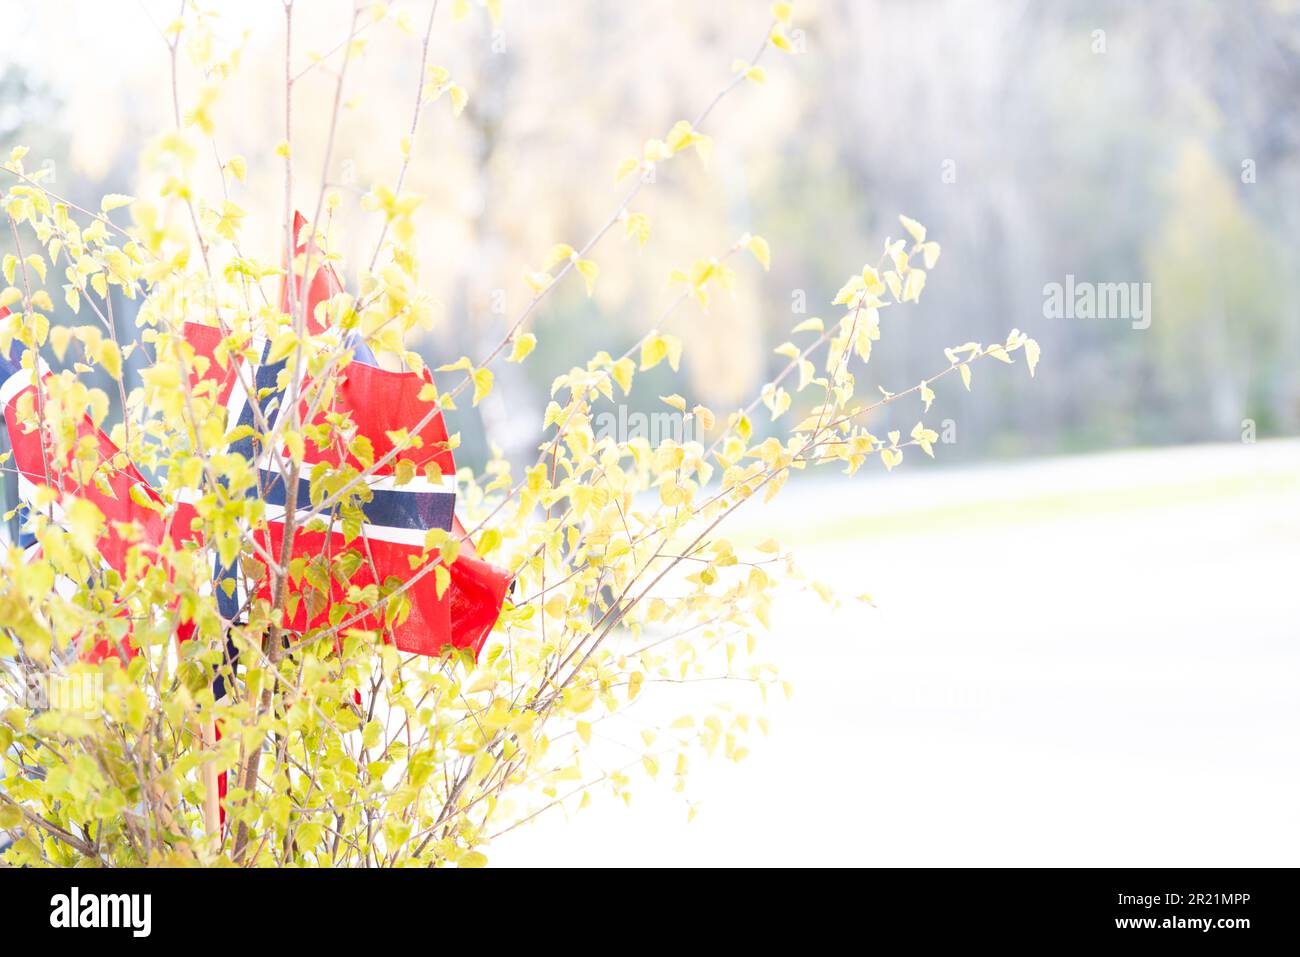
[
  {"x": 265, "y": 377},
  {"x": 9, "y": 366},
  {"x": 394, "y": 508},
  {"x": 360, "y": 351}
]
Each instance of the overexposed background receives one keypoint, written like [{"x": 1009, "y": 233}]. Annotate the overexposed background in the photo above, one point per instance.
[{"x": 1089, "y": 661}]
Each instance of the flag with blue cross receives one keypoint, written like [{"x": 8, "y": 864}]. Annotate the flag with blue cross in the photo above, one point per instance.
[{"x": 376, "y": 405}]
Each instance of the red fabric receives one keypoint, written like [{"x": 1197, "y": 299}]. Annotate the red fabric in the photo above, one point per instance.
[
  {"x": 425, "y": 632},
  {"x": 116, "y": 504},
  {"x": 379, "y": 402},
  {"x": 477, "y": 593},
  {"x": 221, "y": 779},
  {"x": 324, "y": 282}
]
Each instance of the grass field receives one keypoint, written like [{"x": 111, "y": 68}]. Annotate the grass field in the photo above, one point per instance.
[{"x": 1086, "y": 661}]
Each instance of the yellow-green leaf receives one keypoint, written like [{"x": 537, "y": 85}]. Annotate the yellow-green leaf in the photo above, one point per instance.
[
  {"x": 523, "y": 345},
  {"x": 482, "y": 383}
]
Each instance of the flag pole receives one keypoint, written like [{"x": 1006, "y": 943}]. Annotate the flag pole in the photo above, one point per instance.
[{"x": 211, "y": 799}]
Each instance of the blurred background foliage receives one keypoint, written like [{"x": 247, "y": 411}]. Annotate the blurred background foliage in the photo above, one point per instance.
[{"x": 1161, "y": 150}]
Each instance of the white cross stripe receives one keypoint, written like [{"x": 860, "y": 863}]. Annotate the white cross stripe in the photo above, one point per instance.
[
  {"x": 22, "y": 379},
  {"x": 445, "y": 484}
]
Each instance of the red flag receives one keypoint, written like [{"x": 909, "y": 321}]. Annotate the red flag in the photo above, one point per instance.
[
  {"x": 324, "y": 282},
  {"x": 110, "y": 488}
]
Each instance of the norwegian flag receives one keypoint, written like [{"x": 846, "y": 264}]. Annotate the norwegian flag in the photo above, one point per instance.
[
  {"x": 377, "y": 403},
  {"x": 109, "y": 488},
  {"x": 396, "y": 517}
]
